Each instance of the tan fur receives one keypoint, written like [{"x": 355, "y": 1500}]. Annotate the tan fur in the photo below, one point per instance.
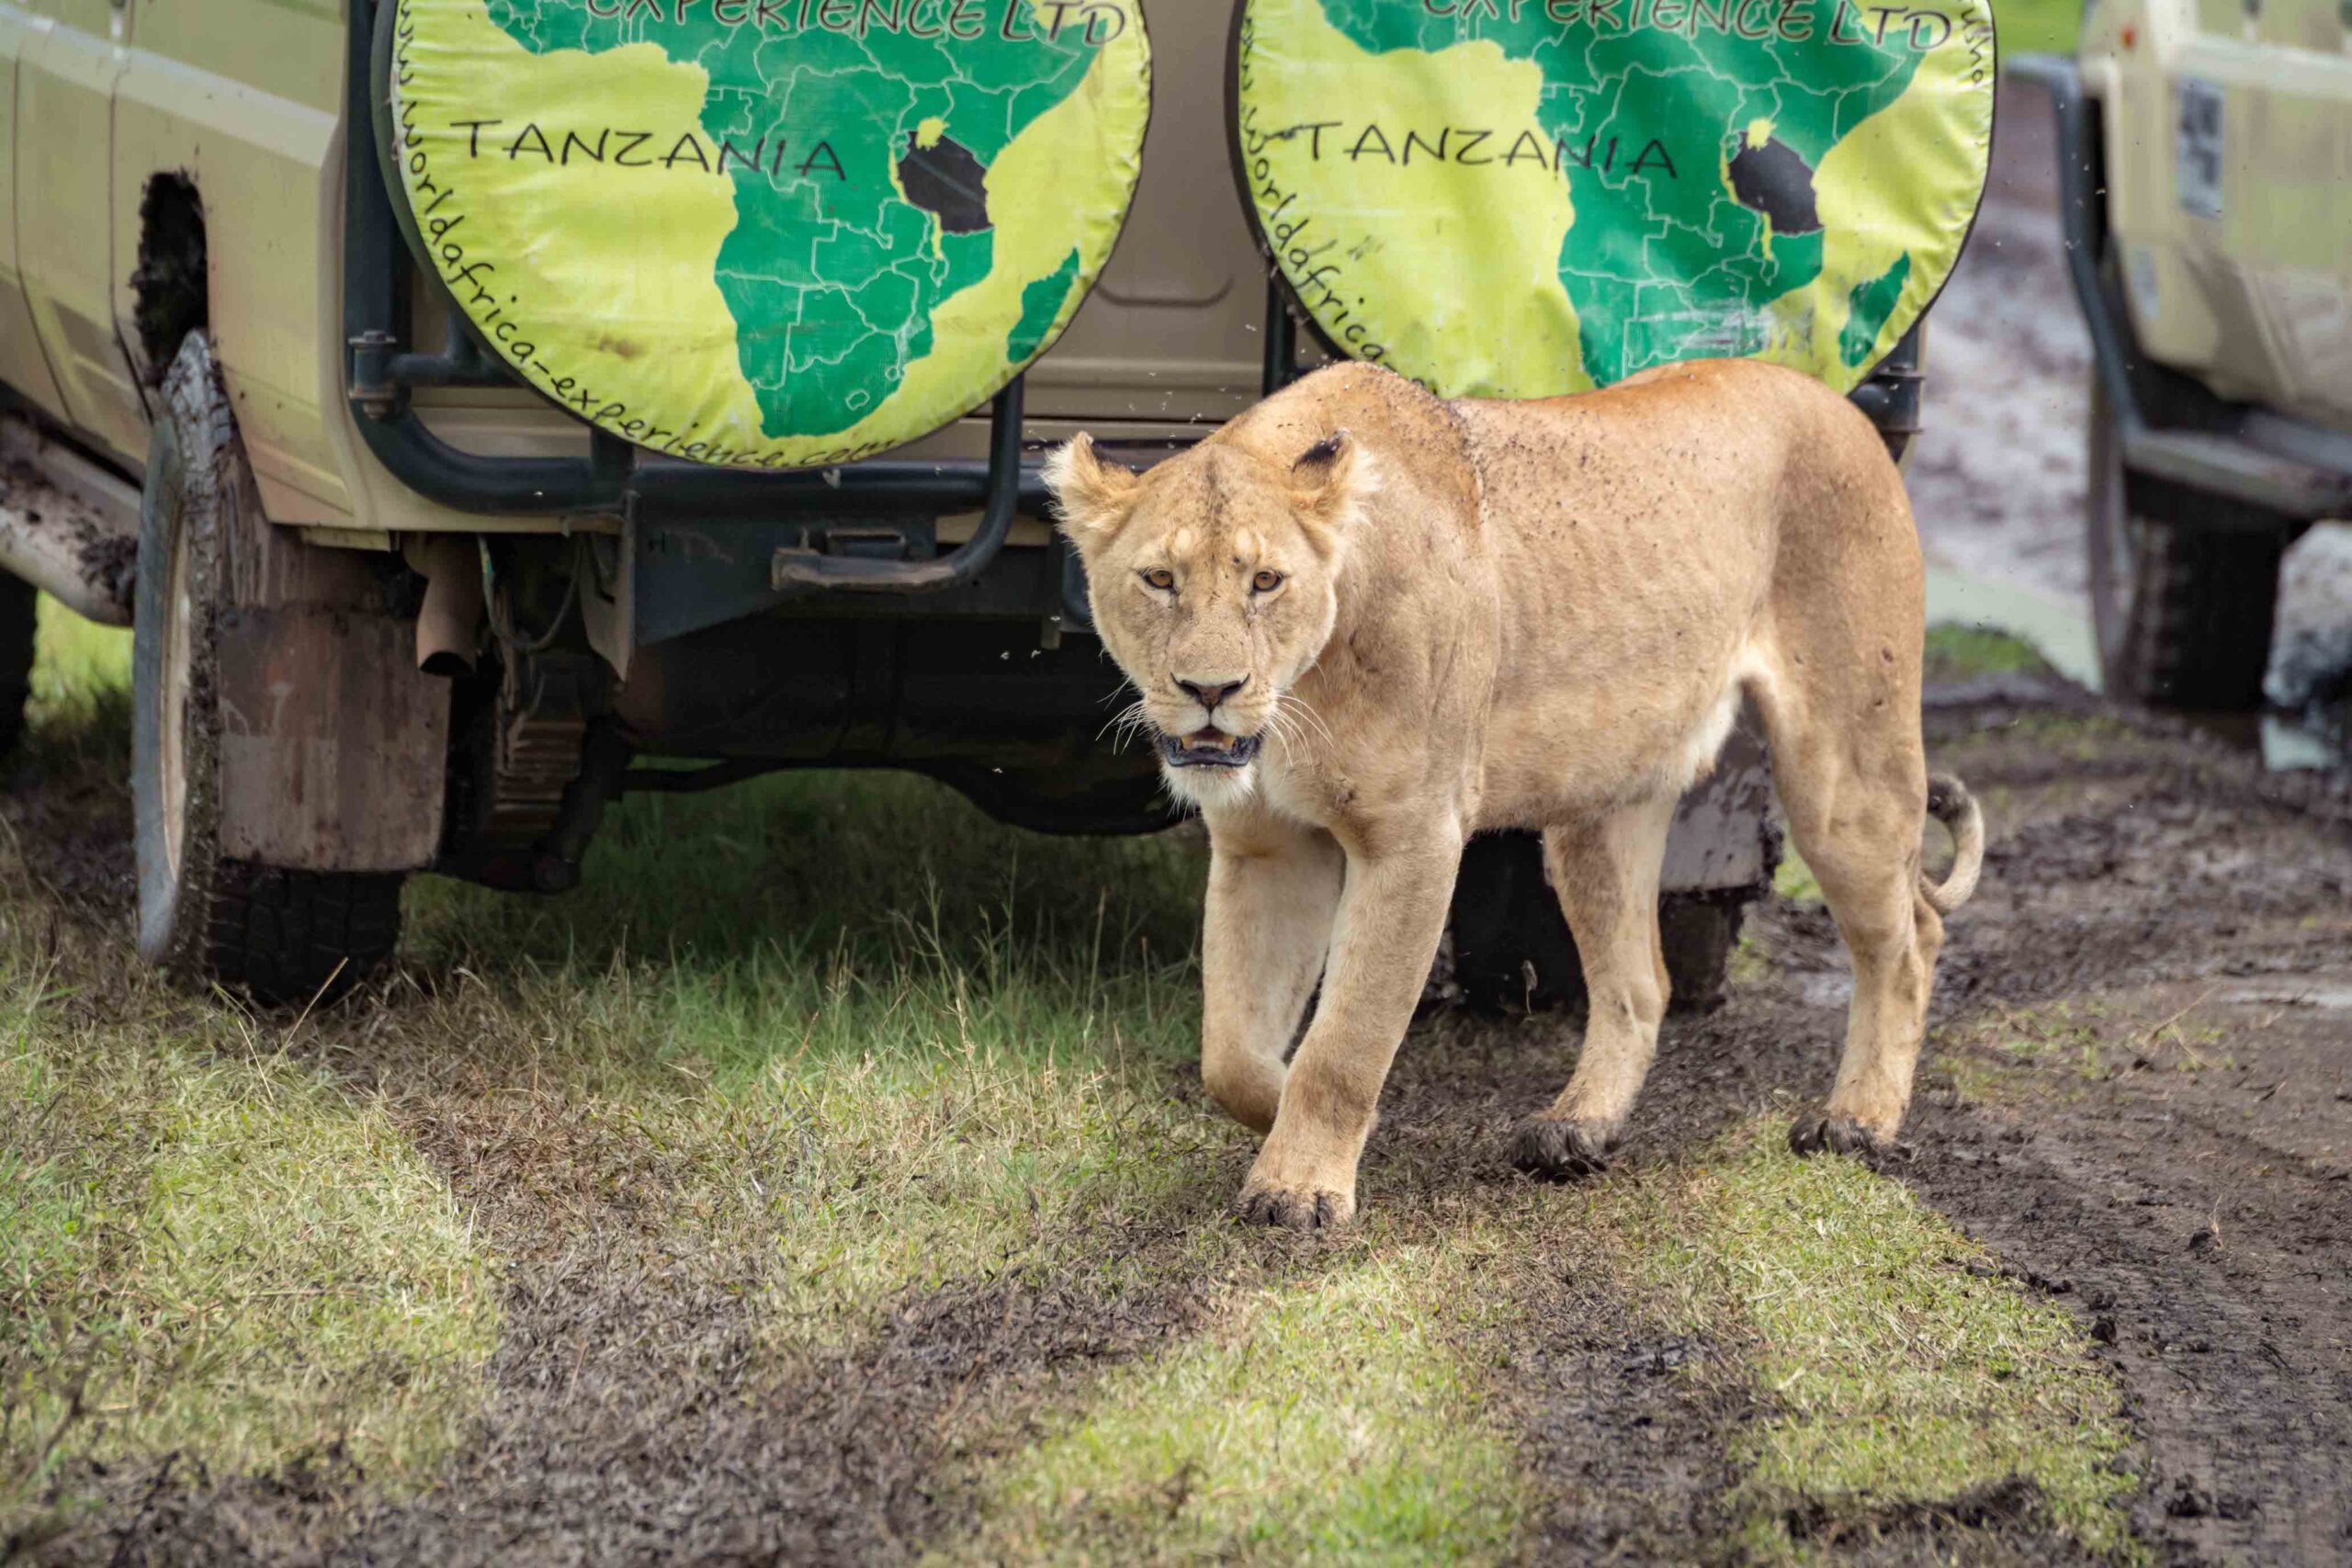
[{"x": 1537, "y": 614}]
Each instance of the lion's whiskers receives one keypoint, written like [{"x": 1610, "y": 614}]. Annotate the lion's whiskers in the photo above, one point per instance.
[
  {"x": 1125, "y": 725},
  {"x": 1298, "y": 723}
]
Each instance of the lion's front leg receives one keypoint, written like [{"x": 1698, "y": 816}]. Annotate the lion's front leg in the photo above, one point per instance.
[
  {"x": 1273, "y": 888},
  {"x": 1392, "y": 912}
]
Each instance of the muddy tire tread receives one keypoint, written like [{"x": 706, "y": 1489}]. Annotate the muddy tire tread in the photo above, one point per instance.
[
  {"x": 283, "y": 936},
  {"x": 291, "y": 935},
  {"x": 2202, "y": 606},
  {"x": 2185, "y": 620},
  {"x": 18, "y": 599}
]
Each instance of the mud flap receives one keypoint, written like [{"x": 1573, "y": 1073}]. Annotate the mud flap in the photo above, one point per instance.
[
  {"x": 1512, "y": 946},
  {"x": 328, "y": 737},
  {"x": 1723, "y": 841}
]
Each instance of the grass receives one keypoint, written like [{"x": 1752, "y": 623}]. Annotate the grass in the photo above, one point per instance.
[
  {"x": 1897, "y": 1366},
  {"x": 2038, "y": 27},
  {"x": 2086, "y": 1038},
  {"x": 211, "y": 1251},
  {"x": 838, "y": 1043},
  {"x": 1793, "y": 880},
  {"x": 207, "y": 1247},
  {"x": 952, "y": 1046},
  {"x": 1329, "y": 1418},
  {"x": 1961, "y": 653}
]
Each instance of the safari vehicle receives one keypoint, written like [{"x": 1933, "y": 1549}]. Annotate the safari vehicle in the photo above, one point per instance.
[
  {"x": 2207, "y": 221},
  {"x": 482, "y": 412}
]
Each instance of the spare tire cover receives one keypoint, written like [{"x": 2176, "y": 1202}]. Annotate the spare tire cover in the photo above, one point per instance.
[
  {"x": 1525, "y": 198},
  {"x": 777, "y": 233}
]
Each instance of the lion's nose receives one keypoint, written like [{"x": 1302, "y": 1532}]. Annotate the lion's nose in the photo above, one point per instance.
[{"x": 1209, "y": 695}]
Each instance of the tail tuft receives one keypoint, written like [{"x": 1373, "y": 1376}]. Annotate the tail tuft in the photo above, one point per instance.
[{"x": 1949, "y": 803}]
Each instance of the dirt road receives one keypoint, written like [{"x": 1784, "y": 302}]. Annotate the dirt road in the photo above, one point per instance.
[{"x": 2139, "y": 1094}]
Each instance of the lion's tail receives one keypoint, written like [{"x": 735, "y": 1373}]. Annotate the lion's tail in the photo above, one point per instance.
[{"x": 1949, "y": 803}]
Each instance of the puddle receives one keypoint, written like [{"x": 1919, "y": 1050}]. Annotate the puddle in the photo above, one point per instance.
[
  {"x": 2329, "y": 995},
  {"x": 2319, "y": 737},
  {"x": 2061, "y": 635},
  {"x": 2314, "y": 739}
]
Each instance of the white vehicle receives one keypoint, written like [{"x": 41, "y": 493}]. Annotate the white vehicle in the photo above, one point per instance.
[{"x": 2209, "y": 224}]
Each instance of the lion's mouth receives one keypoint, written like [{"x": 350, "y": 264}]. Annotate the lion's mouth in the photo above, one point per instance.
[{"x": 1208, "y": 749}]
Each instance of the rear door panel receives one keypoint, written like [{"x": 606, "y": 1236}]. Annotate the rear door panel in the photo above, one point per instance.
[
  {"x": 64, "y": 119},
  {"x": 23, "y": 367}
]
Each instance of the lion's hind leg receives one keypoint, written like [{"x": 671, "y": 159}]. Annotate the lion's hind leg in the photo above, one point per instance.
[
  {"x": 1606, "y": 873},
  {"x": 1852, "y": 779}
]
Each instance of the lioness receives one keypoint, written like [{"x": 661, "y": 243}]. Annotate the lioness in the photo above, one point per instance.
[{"x": 1366, "y": 624}]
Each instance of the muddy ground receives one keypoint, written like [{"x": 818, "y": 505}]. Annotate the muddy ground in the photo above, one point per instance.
[{"x": 2139, "y": 1094}]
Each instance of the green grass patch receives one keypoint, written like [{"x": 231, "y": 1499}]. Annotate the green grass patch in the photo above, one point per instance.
[
  {"x": 77, "y": 715},
  {"x": 1961, "y": 653},
  {"x": 207, "y": 1248},
  {"x": 1891, "y": 1372},
  {"x": 81, "y": 670},
  {"x": 2088, "y": 1038},
  {"x": 2038, "y": 27},
  {"x": 953, "y": 1042},
  {"x": 1327, "y": 1417},
  {"x": 1793, "y": 880}
]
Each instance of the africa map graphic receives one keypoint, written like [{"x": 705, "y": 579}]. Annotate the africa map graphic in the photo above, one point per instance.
[
  {"x": 778, "y": 232},
  {"x": 1525, "y": 198}
]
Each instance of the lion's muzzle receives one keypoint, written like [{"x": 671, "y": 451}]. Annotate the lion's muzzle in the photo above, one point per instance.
[{"x": 1209, "y": 749}]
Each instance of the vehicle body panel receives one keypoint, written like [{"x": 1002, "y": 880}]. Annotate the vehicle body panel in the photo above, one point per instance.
[
  {"x": 244, "y": 97},
  {"x": 23, "y": 365},
  {"x": 2228, "y": 157},
  {"x": 66, "y": 70}
]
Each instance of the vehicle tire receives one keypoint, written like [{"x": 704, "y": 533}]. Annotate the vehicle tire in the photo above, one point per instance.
[
  {"x": 281, "y": 935},
  {"x": 1513, "y": 952},
  {"x": 18, "y": 599},
  {"x": 2183, "y": 614}
]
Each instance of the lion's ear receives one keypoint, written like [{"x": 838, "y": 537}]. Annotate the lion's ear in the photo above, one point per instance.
[
  {"x": 1330, "y": 483},
  {"x": 1092, "y": 497}
]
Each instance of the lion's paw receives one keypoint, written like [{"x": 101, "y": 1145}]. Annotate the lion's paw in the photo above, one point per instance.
[
  {"x": 1560, "y": 1148},
  {"x": 1841, "y": 1135},
  {"x": 1297, "y": 1209}
]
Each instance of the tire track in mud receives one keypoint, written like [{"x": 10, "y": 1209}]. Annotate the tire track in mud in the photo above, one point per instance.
[
  {"x": 639, "y": 1408},
  {"x": 635, "y": 1415},
  {"x": 1626, "y": 1454},
  {"x": 2213, "y": 1265},
  {"x": 632, "y": 1414}
]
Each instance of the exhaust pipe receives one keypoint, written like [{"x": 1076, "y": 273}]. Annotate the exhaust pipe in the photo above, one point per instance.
[
  {"x": 67, "y": 525},
  {"x": 448, "y": 624}
]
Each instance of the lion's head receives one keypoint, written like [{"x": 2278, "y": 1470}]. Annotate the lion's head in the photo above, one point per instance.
[{"x": 1213, "y": 579}]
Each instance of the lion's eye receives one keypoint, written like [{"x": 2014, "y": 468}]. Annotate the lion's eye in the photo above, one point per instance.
[
  {"x": 1160, "y": 577},
  {"x": 1266, "y": 581}
]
